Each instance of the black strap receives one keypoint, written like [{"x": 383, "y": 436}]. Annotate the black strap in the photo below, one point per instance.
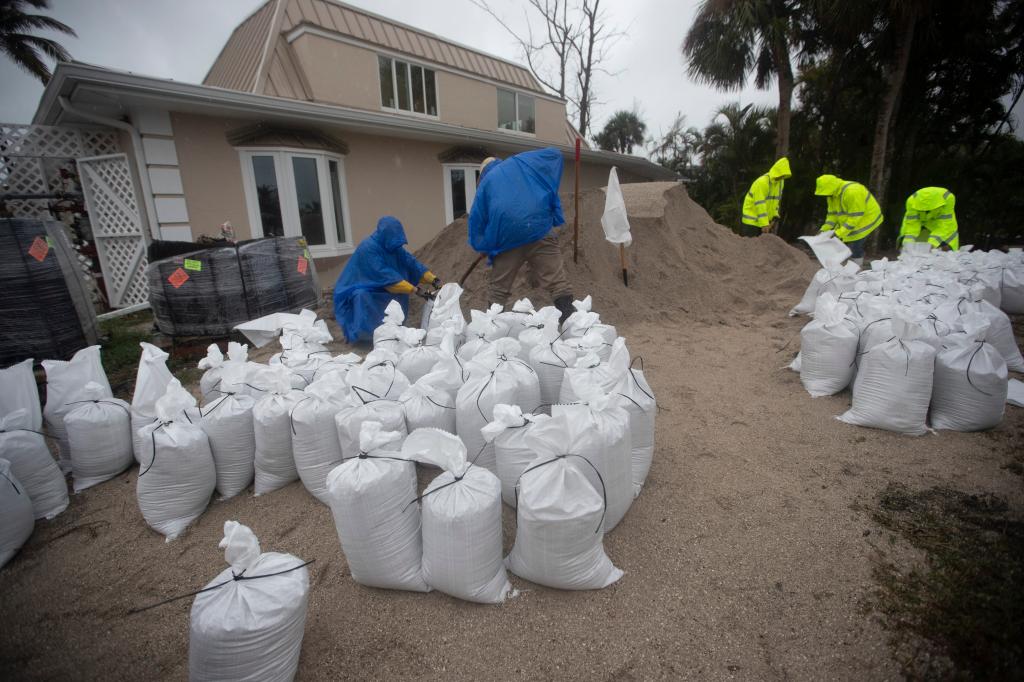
[
  {"x": 604, "y": 490},
  {"x": 11, "y": 482},
  {"x": 472, "y": 463},
  {"x": 44, "y": 435},
  {"x": 981, "y": 344},
  {"x": 291, "y": 414},
  {"x": 153, "y": 435},
  {"x": 108, "y": 402}
]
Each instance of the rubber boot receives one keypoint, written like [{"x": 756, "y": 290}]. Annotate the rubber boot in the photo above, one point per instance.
[{"x": 564, "y": 305}]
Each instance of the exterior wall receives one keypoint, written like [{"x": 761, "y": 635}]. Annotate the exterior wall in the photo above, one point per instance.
[{"x": 160, "y": 150}]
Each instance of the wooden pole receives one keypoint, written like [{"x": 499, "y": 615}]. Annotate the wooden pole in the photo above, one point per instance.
[
  {"x": 576, "y": 209},
  {"x": 622, "y": 261}
]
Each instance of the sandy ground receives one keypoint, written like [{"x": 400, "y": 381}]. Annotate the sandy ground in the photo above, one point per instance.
[{"x": 747, "y": 556}]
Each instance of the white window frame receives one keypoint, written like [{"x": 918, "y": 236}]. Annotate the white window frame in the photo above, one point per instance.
[
  {"x": 470, "y": 171},
  {"x": 515, "y": 131},
  {"x": 394, "y": 87},
  {"x": 287, "y": 196}
]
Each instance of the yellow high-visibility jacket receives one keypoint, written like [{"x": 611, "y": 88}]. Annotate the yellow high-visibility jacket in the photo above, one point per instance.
[
  {"x": 932, "y": 208},
  {"x": 761, "y": 205},
  {"x": 852, "y": 210}
]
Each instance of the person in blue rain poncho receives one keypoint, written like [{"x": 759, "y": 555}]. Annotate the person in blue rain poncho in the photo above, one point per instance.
[
  {"x": 514, "y": 211},
  {"x": 379, "y": 271}
]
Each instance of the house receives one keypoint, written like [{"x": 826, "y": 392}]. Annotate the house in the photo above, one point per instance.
[{"x": 316, "y": 119}]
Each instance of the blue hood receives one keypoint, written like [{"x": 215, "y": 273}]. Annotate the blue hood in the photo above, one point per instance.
[{"x": 390, "y": 234}]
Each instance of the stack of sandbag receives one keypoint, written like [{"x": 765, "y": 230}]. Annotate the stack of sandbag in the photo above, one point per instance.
[
  {"x": 150, "y": 384},
  {"x": 64, "y": 384},
  {"x": 177, "y": 475},
  {"x": 461, "y": 516},
  {"x": 272, "y": 433},
  {"x": 970, "y": 384},
  {"x": 485, "y": 327},
  {"x": 25, "y": 449},
  {"x": 560, "y": 514},
  {"x": 363, "y": 405},
  {"x": 389, "y": 335},
  {"x": 512, "y": 452},
  {"x": 248, "y": 622},
  {"x": 214, "y": 363},
  {"x": 894, "y": 382},
  {"x": 315, "y": 444},
  {"x": 516, "y": 318},
  {"x": 828, "y": 348},
  {"x": 371, "y": 498},
  {"x": 16, "y": 513},
  {"x": 99, "y": 437},
  {"x": 430, "y": 401},
  {"x": 227, "y": 422}
]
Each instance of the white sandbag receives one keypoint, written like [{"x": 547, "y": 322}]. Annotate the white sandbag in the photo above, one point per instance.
[
  {"x": 833, "y": 278},
  {"x": 549, "y": 361},
  {"x": 461, "y": 512},
  {"x": 828, "y": 348},
  {"x": 796, "y": 364},
  {"x": 970, "y": 385},
  {"x": 487, "y": 324},
  {"x": 559, "y": 517},
  {"x": 388, "y": 335},
  {"x": 150, "y": 384},
  {"x": 64, "y": 384},
  {"x": 641, "y": 406},
  {"x": 213, "y": 365},
  {"x": 591, "y": 343},
  {"x": 447, "y": 313},
  {"x": 176, "y": 471},
  {"x": 249, "y": 629},
  {"x": 541, "y": 327},
  {"x": 584, "y": 320},
  {"x": 301, "y": 356},
  {"x": 430, "y": 402},
  {"x": 894, "y": 382},
  {"x": 1000, "y": 334},
  {"x": 516, "y": 318},
  {"x": 419, "y": 360},
  {"x": 315, "y": 444},
  {"x": 507, "y": 431},
  {"x": 20, "y": 392},
  {"x": 334, "y": 369},
  {"x": 378, "y": 377},
  {"x": 1013, "y": 290},
  {"x": 350, "y": 418},
  {"x": 591, "y": 369},
  {"x": 32, "y": 463},
  {"x": 16, "y": 516},
  {"x": 272, "y": 432},
  {"x": 378, "y": 524},
  {"x": 99, "y": 437},
  {"x": 615, "y": 220},
  {"x": 454, "y": 328},
  {"x": 602, "y": 419},
  {"x": 227, "y": 422}
]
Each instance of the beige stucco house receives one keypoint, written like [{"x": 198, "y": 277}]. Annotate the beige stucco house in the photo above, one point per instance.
[{"x": 316, "y": 119}]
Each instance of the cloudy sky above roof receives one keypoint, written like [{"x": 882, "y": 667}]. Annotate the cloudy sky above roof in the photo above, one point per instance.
[{"x": 179, "y": 39}]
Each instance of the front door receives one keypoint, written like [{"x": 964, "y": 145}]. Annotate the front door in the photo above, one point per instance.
[{"x": 459, "y": 189}]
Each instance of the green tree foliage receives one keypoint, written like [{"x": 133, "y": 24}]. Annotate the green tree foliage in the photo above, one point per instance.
[
  {"x": 623, "y": 131},
  {"x": 24, "y": 49}
]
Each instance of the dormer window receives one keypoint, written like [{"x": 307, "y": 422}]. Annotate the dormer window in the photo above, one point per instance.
[
  {"x": 516, "y": 112},
  {"x": 407, "y": 87}
]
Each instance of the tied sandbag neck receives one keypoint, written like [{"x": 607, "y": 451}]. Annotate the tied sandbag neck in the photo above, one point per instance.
[
  {"x": 604, "y": 491},
  {"x": 472, "y": 463},
  {"x": 852, "y": 296},
  {"x": 935, "y": 325},
  {"x": 234, "y": 578},
  {"x": 860, "y": 336},
  {"x": 376, "y": 398},
  {"x": 394, "y": 374},
  {"x": 108, "y": 402}
]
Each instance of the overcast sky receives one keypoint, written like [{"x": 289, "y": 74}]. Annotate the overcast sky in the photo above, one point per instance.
[{"x": 179, "y": 39}]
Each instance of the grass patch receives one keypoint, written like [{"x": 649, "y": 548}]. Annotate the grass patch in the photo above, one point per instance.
[
  {"x": 960, "y": 614},
  {"x": 121, "y": 353}
]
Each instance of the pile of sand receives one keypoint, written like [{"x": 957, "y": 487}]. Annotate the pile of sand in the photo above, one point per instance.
[{"x": 680, "y": 263}]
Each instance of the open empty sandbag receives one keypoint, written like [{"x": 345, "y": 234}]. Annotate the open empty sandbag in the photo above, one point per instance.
[
  {"x": 150, "y": 384},
  {"x": 32, "y": 464},
  {"x": 16, "y": 516},
  {"x": 64, "y": 384},
  {"x": 274, "y": 461},
  {"x": 512, "y": 453},
  {"x": 461, "y": 510},
  {"x": 378, "y": 528},
  {"x": 99, "y": 437},
  {"x": 227, "y": 422},
  {"x": 248, "y": 622}
]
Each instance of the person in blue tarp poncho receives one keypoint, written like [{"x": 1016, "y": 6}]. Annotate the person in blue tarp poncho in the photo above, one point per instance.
[
  {"x": 379, "y": 271},
  {"x": 515, "y": 208}
]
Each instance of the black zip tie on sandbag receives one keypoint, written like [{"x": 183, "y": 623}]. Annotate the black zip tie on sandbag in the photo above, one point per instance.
[
  {"x": 856, "y": 299},
  {"x": 394, "y": 374},
  {"x": 291, "y": 413},
  {"x": 907, "y": 351},
  {"x": 604, "y": 490},
  {"x": 480, "y": 395},
  {"x": 11, "y": 482},
  {"x": 220, "y": 401},
  {"x": 234, "y": 578},
  {"x": 631, "y": 400},
  {"x": 44, "y": 435},
  {"x": 101, "y": 400},
  {"x": 471, "y": 464},
  {"x": 212, "y": 389},
  {"x": 861, "y": 336},
  {"x": 153, "y": 436},
  {"x": 981, "y": 344},
  {"x": 635, "y": 381}
]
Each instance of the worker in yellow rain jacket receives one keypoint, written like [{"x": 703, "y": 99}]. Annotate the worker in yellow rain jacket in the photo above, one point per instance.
[
  {"x": 853, "y": 212},
  {"x": 761, "y": 205},
  {"x": 931, "y": 208}
]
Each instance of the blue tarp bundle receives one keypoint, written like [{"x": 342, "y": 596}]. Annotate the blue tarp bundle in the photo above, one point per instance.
[
  {"x": 379, "y": 261},
  {"x": 516, "y": 202}
]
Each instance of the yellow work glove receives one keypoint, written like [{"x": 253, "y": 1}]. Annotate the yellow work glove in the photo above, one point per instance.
[{"x": 402, "y": 287}]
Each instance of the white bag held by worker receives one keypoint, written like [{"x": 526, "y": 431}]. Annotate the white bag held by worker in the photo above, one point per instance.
[
  {"x": 274, "y": 461},
  {"x": 894, "y": 382},
  {"x": 227, "y": 422},
  {"x": 176, "y": 472},
  {"x": 614, "y": 220},
  {"x": 970, "y": 385},
  {"x": 378, "y": 528},
  {"x": 20, "y": 392},
  {"x": 32, "y": 463},
  {"x": 420, "y": 359},
  {"x": 584, "y": 320},
  {"x": 512, "y": 454},
  {"x": 602, "y": 418},
  {"x": 461, "y": 511},
  {"x": 828, "y": 348},
  {"x": 16, "y": 513},
  {"x": 150, "y": 384},
  {"x": 447, "y": 311},
  {"x": 388, "y": 335},
  {"x": 360, "y": 409},
  {"x": 64, "y": 383},
  {"x": 99, "y": 436},
  {"x": 248, "y": 622},
  {"x": 430, "y": 402},
  {"x": 641, "y": 406},
  {"x": 515, "y": 318},
  {"x": 315, "y": 442},
  {"x": 559, "y": 518},
  {"x": 550, "y": 360}
]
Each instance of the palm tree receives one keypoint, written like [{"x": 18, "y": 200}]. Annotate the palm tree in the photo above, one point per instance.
[
  {"x": 621, "y": 133},
  {"x": 24, "y": 49},
  {"x": 729, "y": 39}
]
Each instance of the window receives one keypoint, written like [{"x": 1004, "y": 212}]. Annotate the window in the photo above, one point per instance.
[
  {"x": 460, "y": 182},
  {"x": 407, "y": 87},
  {"x": 516, "y": 112},
  {"x": 298, "y": 193}
]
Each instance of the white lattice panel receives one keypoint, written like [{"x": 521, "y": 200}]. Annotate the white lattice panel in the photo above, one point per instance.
[
  {"x": 114, "y": 216},
  {"x": 54, "y": 141}
]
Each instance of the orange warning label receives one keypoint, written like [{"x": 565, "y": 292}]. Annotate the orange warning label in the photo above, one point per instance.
[
  {"x": 177, "y": 278},
  {"x": 39, "y": 249},
  {"x": 303, "y": 265}
]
